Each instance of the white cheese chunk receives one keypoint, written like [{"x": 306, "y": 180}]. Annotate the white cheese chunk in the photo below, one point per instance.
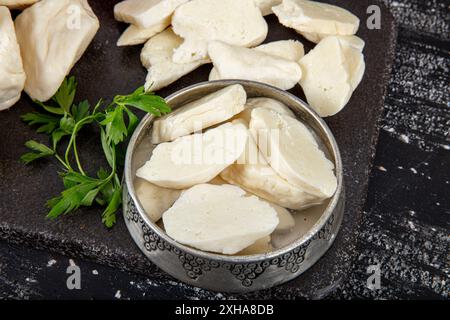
[
  {"x": 286, "y": 220},
  {"x": 156, "y": 56},
  {"x": 260, "y": 246},
  {"x": 292, "y": 151},
  {"x": 252, "y": 173},
  {"x": 200, "y": 114},
  {"x": 354, "y": 62},
  {"x": 263, "y": 102},
  {"x": 266, "y": 5},
  {"x": 313, "y": 36},
  {"x": 51, "y": 41},
  {"x": 157, "y": 49},
  {"x": 195, "y": 159},
  {"x": 146, "y": 13},
  {"x": 316, "y": 17},
  {"x": 12, "y": 75},
  {"x": 17, "y": 4},
  {"x": 219, "y": 219},
  {"x": 201, "y": 21},
  {"x": 154, "y": 199},
  {"x": 135, "y": 35},
  {"x": 232, "y": 62},
  {"x": 331, "y": 72},
  {"x": 291, "y": 50}
]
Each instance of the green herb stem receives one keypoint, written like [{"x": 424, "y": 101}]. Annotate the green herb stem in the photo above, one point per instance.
[{"x": 62, "y": 119}]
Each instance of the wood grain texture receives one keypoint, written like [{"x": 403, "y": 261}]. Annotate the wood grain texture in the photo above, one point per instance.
[{"x": 406, "y": 218}]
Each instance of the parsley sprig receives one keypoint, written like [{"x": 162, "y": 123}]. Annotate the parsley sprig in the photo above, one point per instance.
[{"x": 62, "y": 119}]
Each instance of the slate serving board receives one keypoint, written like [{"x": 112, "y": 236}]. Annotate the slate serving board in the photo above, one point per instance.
[{"x": 106, "y": 70}]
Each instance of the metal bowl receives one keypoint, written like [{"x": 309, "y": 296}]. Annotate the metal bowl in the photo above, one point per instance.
[{"x": 294, "y": 253}]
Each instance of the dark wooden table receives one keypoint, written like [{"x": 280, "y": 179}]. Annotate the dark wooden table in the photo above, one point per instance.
[{"x": 405, "y": 228}]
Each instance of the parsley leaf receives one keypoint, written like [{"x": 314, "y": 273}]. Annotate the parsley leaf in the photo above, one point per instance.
[
  {"x": 67, "y": 124},
  {"x": 72, "y": 198},
  {"x": 108, "y": 216},
  {"x": 66, "y": 93},
  {"x": 114, "y": 122},
  {"x": 106, "y": 148},
  {"x": 81, "y": 110},
  {"x": 57, "y": 135},
  {"x": 40, "y": 151},
  {"x": 54, "y": 110},
  {"x": 145, "y": 101},
  {"x": 48, "y": 122}
]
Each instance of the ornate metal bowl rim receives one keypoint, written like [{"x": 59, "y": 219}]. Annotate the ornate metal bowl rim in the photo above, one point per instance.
[{"x": 247, "y": 258}]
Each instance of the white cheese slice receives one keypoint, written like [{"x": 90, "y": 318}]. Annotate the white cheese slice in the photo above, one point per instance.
[
  {"x": 291, "y": 50},
  {"x": 17, "y": 4},
  {"x": 12, "y": 75},
  {"x": 219, "y": 219},
  {"x": 286, "y": 220},
  {"x": 146, "y": 13},
  {"x": 316, "y": 17},
  {"x": 253, "y": 173},
  {"x": 154, "y": 199},
  {"x": 354, "y": 62},
  {"x": 331, "y": 72},
  {"x": 260, "y": 246},
  {"x": 266, "y": 5},
  {"x": 263, "y": 102},
  {"x": 292, "y": 151},
  {"x": 200, "y": 114},
  {"x": 156, "y": 56},
  {"x": 51, "y": 42},
  {"x": 135, "y": 35},
  {"x": 201, "y": 21},
  {"x": 196, "y": 158},
  {"x": 233, "y": 62}
]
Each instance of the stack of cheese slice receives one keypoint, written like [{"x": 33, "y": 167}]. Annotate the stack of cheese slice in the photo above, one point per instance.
[
  {"x": 200, "y": 21},
  {"x": 156, "y": 56},
  {"x": 228, "y": 35},
  {"x": 292, "y": 151},
  {"x": 228, "y": 188}
]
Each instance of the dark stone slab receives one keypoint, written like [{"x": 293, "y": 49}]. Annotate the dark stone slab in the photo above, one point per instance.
[{"x": 106, "y": 70}]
